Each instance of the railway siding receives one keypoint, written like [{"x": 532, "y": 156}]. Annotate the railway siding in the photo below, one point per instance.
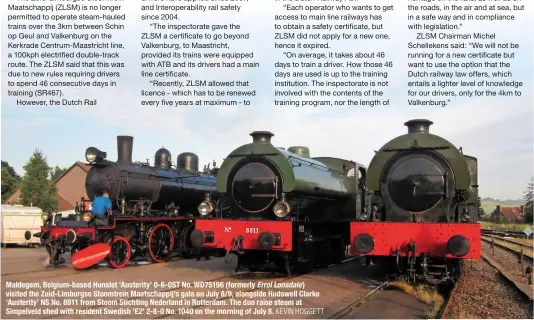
[
  {"x": 528, "y": 250},
  {"x": 515, "y": 234},
  {"x": 509, "y": 259},
  {"x": 525, "y": 289}
]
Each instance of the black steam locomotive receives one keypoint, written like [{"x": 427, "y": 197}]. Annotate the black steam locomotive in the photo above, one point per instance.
[
  {"x": 137, "y": 189},
  {"x": 153, "y": 213}
]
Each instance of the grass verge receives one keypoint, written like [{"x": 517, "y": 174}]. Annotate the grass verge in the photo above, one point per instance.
[
  {"x": 519, "y": 227},
  {"x": 423, "y": 292}
]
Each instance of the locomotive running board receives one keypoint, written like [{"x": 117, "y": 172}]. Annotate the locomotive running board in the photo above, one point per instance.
[{"x": 90, "y": 256}]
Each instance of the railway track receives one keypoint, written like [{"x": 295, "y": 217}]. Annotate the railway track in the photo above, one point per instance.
[
  {"x": 226, "y": 298},
  {"x": 446, "y": 303},
  {"x": 356, "y": 303},
  {"x": 507, "y": 270},
  {"x": 522, "y": 288},
  {"x": 484, "y": 293},
  {"x": 508, "y": 240},
  {"x": 515, "y": 234},
  {"x": 528, "y": 257},
  {"x": 240, "y": 275}
]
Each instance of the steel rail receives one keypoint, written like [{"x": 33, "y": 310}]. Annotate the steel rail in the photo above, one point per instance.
[
  {"x": 524, "y": 289},
  {"x": 515, "y": 234},
  {"x": 528, "y": 258},
  {"x": 346, "y": 310},
  {"x": 446, "y": 304},
  {"x": 521, "y": 244}
]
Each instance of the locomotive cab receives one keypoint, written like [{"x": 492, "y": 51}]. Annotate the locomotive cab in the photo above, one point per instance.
[{"x": 468, "y": 210}]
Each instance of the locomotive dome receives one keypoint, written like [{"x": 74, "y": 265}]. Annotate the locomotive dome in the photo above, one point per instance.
[
  {"x": 300, "y": 150},
  {"x": 163, "y": 158},
  {"x": 187, "y": 161}
]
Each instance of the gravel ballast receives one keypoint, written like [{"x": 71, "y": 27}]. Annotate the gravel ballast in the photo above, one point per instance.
[{"x": 483, "y": 293}]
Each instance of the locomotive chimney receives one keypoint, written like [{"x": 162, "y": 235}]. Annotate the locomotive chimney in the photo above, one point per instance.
[
  {"x": 261, "y": 137},
  {"x": 418, "y": 125},
  {"x": 124, "y": 149}
]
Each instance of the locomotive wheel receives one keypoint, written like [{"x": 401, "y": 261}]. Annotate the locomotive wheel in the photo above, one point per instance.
[
  {"x": 160, "y": 243},
  {"x": 120, "y": 252},
  {"x": 185, "y": 240}
]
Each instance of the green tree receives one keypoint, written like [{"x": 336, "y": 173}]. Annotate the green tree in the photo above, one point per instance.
[
  {"x": 9, "y": 180},
  {"x": 481, "y": 213},
  {"x": 56, "y": 172},
  {"x": 35, "y": 188},
  {"x": 528, "y": 197}
]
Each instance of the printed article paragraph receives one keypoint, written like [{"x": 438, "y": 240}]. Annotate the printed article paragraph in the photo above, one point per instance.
[{"x": 338, "y": 53}]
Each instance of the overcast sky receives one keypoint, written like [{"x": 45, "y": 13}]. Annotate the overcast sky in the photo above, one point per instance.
[{"x": 497, "y": 130}]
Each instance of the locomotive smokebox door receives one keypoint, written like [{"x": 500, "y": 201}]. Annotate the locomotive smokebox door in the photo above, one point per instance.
[{"x": 417, "y": 183}]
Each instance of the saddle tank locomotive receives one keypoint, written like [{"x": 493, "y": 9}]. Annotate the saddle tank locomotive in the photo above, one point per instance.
[
  {"x": 281, "y": 207},
  {"x": 428, "y": 193}
]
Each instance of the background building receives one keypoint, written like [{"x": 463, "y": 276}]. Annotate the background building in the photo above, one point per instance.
[
  {"x": 508, "y": 215},
  {"x": 70, "y": 187}
]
